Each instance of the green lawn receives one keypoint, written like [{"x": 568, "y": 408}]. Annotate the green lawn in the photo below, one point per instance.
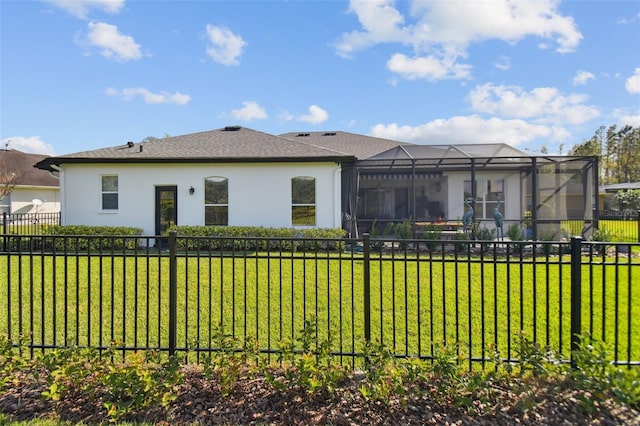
[{"x": 477, "y": 304}]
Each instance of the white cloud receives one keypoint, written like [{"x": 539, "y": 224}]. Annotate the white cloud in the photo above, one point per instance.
[
  {"x": 111, "y": 43},
  {"x": 381, "y": 23},
  {"x": 226, "y": 47},
  {"x": 149, "y": 97},
  {"x": 81, "y": 8},
  {"x": 463, "y": 23},
  {"x": 470, "y": 129},
  {"x": 503, "y": 63},
  {"x": 445, "y": 29},
  {"x": 633, "y": 83},
  {"x": 32, "y": 145},
  {"x": 250, "y": 111},
  {"x": 624, "y": 117},
  {"x": 316, "y": 115},
  {"x": 428, "y": 67},
  {"x": 582, "y": 77},
  {"x": 543, "y": 104},
  {"x": 285, "y": 115},
  {"x": 626, "y": 21}
]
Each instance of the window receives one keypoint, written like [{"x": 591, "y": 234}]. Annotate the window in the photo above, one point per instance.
[
  {"x": 303, "y": 201},
  {"x": 110, "y": 192},
  {"x": 216, "y": 201},
  {"x": 487, "y": 192}
]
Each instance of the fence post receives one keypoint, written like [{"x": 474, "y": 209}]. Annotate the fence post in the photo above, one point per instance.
[
  {"x": 576, "y": 295},
  {"x": 173, "y": 292},
  {"x": 5, "y": 231},
  {"x": 367, "y": 286},
  {"x": 638, "y": 220}
]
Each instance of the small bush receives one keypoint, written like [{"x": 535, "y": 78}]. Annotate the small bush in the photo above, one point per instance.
[
  {"x": 432, "y": 235},
  {"x": 88, "y": 238},
  {"x": 377, "y": 239},
  {"x": 257, "y": 238},
  {"x": 461, "y": 247},
  {"x": 514, "y": 232},
  {"x": 485, "y": 234},
  {"x": 603, "y": 235},
  {"x": 403, "y": 231}
]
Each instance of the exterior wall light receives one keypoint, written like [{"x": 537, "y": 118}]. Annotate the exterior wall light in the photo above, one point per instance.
[{"x": 192, "y": 190}]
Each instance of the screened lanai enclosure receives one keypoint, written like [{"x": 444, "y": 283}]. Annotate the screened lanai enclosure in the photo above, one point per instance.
[{"x": 449, "y": 186}]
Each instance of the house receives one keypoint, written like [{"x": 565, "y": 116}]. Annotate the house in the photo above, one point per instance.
[
  {"x": 396, "y": 181},
  {"x": 35, "y": 190},
  {"x": 239, "y": 176},
  {"x": 229, "y": 176},
  {"x": 608, "y": 205}
]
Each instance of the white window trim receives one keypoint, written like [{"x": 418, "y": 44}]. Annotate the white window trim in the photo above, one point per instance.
[
  {"x": 217, "y": 205},
  {"x": 314, "y": 204},
  {"x": 102, "y": 192}
]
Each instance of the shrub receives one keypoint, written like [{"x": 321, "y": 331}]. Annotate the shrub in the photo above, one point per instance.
[
  {"x": 432, "y": 235},
  {"x": 87, "y": 238},
  {"x": 485, "y": 234},
  {"x": 514, "y": 232},
  {"x": 378, "y": 239},
  {"x": 251, "y": 238},
  {"x": 403, "y": 230},
  {"x": 461, "y": 247}
]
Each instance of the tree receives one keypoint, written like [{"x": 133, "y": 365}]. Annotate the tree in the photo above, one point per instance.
[
  {"x": 618, "y": 150},
  {"x": 629, "y": 199},
  {"x": 8, "y": 178},
  {"x": 153, "y": 138}
]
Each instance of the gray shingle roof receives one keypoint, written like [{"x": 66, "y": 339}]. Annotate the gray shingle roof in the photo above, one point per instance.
[
  {"x": 229, "y": 144},
  {"x": 22, "y": 163},
  {"x": 360, "y": 146}
]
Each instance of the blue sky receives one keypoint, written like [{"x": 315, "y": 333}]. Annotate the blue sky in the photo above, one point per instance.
[{"x": 78, "y": 75}]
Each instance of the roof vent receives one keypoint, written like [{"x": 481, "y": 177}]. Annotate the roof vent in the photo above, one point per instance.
[
  {"x": 130, "y": 144},
  {"x": 302, "y": 134},
  {"x": 231, "y": 128},
  {"x": 329, "y": 134}
]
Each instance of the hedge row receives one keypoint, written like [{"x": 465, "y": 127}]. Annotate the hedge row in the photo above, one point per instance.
[
  {"x": 91, "y": 238},
  {"x": 83, "y": 238},
  {"x": 249, "y": 238}
]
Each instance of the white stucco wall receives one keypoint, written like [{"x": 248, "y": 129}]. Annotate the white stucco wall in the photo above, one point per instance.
[
  {"x": 259, "y": 193},
  {"x": 512, "y": 193},
  {"x": 21, "y": 199}
]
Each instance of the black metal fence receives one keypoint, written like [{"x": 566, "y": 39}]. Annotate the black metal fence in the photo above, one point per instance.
[
  {"x": 622, "y": 225},
  {"x": 413, "y": 295},
  {"x": 28, "y": 223}
]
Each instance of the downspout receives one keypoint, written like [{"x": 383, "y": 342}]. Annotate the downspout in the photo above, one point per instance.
[{"x": 61, "y": 185}]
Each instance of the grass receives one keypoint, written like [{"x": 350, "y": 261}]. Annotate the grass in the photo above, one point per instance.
[
  {"x": 6, "y": 421},
  {"x": 479, "y": 305}
]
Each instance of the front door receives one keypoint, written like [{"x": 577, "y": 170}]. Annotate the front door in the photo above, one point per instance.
[{"x": 166, "y": 208}]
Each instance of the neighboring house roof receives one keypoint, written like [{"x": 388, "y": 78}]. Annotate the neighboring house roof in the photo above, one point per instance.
[
  {"x": 228, "y": 144},
  {"x": 620, "y": 187},
  {"x": 361, "y": 146},
  {"x": 23, "y": 163}
]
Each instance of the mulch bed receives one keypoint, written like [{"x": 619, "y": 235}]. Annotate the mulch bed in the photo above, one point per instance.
[{"x": 255, "y": 401}]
